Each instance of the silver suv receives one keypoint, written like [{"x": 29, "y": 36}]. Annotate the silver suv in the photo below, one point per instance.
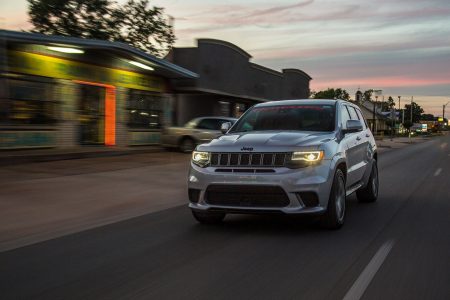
[{"x": 291, "y": 157}]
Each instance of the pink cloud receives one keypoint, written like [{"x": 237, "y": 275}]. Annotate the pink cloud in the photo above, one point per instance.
[
  {"x": 277, "y": 9},
  {"x": 296, "y": 53},
  {"x": 385, "y": 82}
]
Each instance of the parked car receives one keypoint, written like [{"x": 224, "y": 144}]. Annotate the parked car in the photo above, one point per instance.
[
  {"x": 197, "y": 131},
  {"x": 291, "y": 157}
]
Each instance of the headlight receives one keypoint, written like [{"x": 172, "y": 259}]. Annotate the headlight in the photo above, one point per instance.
[
  {"x": 201, "y": 159},
  {"x": 309, "y": 156},
  {"x": 305, "y": 158}
]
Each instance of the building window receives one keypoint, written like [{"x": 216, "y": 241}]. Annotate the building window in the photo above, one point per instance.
[
  {"x": 27, "y": 102},
  {"x": 145, "y": 110}
]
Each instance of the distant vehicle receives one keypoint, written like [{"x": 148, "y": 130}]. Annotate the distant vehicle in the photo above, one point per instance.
[
  {"x": 197, "y": 131},
  {"x": 291, "y": 157}
]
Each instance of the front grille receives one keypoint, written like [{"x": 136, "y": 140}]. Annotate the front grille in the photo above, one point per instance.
[
  {"x": 260, "y": 170},
  {"x": 248, "y": 159},
  {"x": 246, "y": 196}
]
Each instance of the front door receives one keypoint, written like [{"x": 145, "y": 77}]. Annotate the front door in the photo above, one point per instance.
[{"x": 91, "y": 111}]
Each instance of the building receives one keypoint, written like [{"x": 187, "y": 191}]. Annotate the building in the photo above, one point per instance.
[
  {"x": 228, "y": 81},
  {"x": 367, "y": 108},
  {"x": 70, "y": 92}
]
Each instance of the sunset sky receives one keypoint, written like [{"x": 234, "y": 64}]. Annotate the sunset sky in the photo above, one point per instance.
[{"x": 401, "y": 46}]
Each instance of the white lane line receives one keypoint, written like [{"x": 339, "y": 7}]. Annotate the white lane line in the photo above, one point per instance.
[
  {"x": 438, "y": 171},
  {"x": 360, "y": 285}
]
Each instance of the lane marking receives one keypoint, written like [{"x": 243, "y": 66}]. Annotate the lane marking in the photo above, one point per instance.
[
  {"x": 438, "y": 171},
  {"x": 443, "y": 145},
  {"x": 360, "y": 285}
]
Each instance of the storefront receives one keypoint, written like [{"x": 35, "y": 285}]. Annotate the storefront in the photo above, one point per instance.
[{"x": 70, "y": 92}]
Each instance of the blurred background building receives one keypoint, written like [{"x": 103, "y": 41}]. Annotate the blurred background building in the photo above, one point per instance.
[
  {"x": 69, "y": 92},
  {"x": 228, "y": 83}
]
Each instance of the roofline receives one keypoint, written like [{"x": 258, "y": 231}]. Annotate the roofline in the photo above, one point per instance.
[
  {"x": 117, "y": 46},
  {"x": 226, "y": 44},
  {"x": 265, "y": 69},
  {"x": 291, "y": 70}
]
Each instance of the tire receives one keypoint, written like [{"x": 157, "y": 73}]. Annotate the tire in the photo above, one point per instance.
[
  {"x": 187, "y": 145},
  {"x": 370, "y": 192},
  {"x": 209, "y": 218},
  {"x": 334, "y": 217}
]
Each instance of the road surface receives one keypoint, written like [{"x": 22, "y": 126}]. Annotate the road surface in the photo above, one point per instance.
[{"x": 396, "y": 248}]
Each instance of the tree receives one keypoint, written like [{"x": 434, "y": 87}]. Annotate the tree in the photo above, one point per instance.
[
  {"x": 133, "y": 22},
  {"x": 389, "y": 104},
  {"x": 81, "y": 18},
  {"x": 331, "y": 93},
  {"x": 408, "y": 124},
  {"x": 428, "y": 117},
  {"x": 144, "y": 28},
  {"x": 367, "y": 95},
  {"x": 416, "y": 111}
]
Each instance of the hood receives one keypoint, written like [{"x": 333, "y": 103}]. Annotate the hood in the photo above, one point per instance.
[{"x": 267, "y": 141}]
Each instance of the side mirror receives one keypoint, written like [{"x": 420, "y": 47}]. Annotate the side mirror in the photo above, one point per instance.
[
  {"x": 225, "y": 127},
  {"x": 353, "y": 126}
]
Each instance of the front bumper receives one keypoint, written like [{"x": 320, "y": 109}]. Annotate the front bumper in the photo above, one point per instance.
[{"x": 317, "y": 179}]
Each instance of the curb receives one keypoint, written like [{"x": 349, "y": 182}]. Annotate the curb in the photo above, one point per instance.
[{"x": 15, "y": 159}]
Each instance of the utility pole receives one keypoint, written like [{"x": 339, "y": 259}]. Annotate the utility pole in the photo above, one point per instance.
[
  {"x": 374, "y": 114},
  {"x": 373, "y": 117},
  {"x": 399, "y": 114},
  {"x": 411, "y": 117}
]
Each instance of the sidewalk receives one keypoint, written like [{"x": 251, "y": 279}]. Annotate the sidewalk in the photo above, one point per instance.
[
  {"x": 13, "y": 157},
  {"x": 46, "y": 200}
]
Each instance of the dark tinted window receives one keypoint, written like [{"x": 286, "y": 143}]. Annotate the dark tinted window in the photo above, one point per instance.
[
  {"x": 210, "y": 124},
  {"x": 27, "y": 102},
  {"x": 144, "y": 110},
  {"x": 288, "y": 117}
]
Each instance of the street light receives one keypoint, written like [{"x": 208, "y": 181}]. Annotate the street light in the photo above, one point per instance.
[{"x": 443, "y": 111}]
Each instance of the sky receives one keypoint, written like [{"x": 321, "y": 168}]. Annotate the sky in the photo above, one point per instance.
[{"x": 401, "y": 47}]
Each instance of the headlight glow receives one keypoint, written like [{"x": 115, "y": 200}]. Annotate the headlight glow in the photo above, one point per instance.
[
  {"x": 309, "y": 156},
  {"x": 201, "y": 159}
]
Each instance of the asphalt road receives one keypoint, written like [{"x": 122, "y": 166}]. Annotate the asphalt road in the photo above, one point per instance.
[{"x": 396, "y": 248}]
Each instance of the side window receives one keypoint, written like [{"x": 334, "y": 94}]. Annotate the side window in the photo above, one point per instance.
[
  {"x": 352, "y": 112},
  {"x": 345, "y": 116},
  {"x": 209, "y": 124},
  {"x": 362, "y": 118}
]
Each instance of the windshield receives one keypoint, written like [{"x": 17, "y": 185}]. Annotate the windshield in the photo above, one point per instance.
[{"x": 288, "y": 117}]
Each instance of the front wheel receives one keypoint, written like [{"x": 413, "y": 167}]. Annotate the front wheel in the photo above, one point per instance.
[
  {"x": 370, "y": 192},
  {"x": 335, "y": 214},
  {"x": 205, "y": 217}
]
